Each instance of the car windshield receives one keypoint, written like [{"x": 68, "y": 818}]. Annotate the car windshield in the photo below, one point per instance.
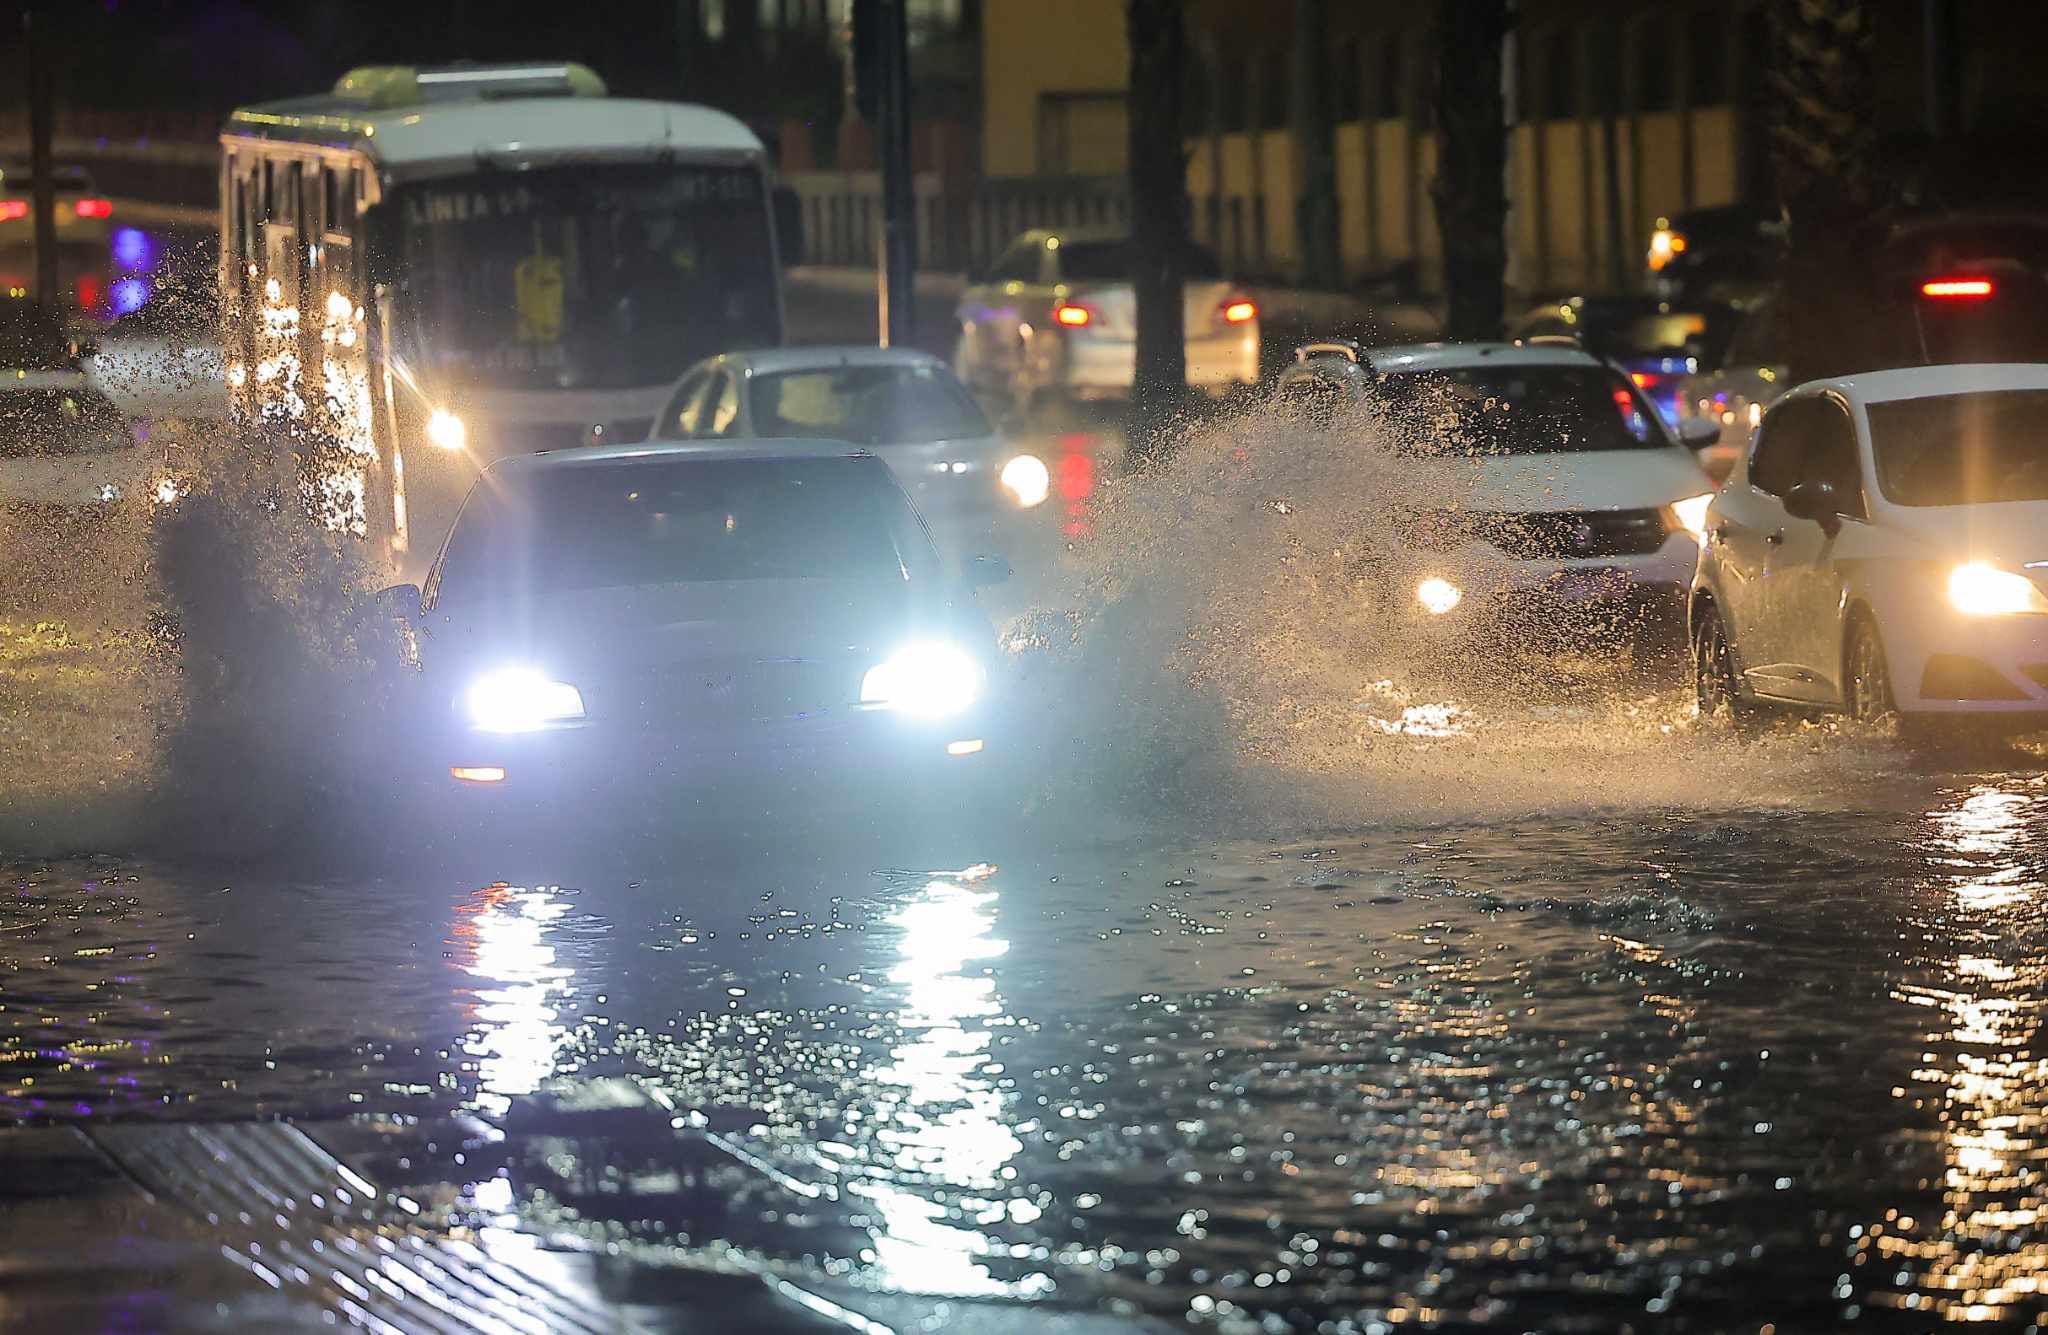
[
  {"x": 1520, "y": 410},
  {"x": 1962, "y": 449},
  {"x": 868, "y": 405},
  {"x": 683, "y": 522},
  {"x": 586, "y": 277},
  {"x": 1110, "y": 262},
  {"x": 40, "y": 422}
]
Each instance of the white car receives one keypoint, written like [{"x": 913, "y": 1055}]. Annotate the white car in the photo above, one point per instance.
[
  {"x": 902, "y": 404},
  {"x": 163, "y": 360},
  {"x": 65, "y": 447},
  {"x": 1883, "y": 548},
  {"x": 1057, "y": 315},
  {"x": 1561, "y": 489}
]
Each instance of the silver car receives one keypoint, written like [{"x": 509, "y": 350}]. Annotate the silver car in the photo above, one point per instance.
[
  {"x": 903, "y": 405},
  {"x": 1057, "y": 315}
]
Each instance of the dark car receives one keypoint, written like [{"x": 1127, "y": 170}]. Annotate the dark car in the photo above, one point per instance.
[
  {"x": 1730, "y": 252},
  {"x": 1657, "y": 342},
  {"x": 687, "y": 616},
  {"x": 1968, "y": 287}
]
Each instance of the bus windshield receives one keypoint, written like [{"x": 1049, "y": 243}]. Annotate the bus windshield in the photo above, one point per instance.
[{"x": 586, "y": 277}]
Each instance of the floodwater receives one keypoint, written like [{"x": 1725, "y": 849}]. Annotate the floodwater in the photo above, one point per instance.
[{"x": 1281, "y": 986}]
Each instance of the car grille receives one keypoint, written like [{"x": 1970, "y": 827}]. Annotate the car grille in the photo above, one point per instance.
[
  {"x": 729, "y": 694},
  {"x": 1570, "y": 534}
]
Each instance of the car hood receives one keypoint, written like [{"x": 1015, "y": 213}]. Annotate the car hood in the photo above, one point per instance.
[
  {"x": 1592, "y": 480},
  {"x": 605, "y": 632},
  {"x": 2011, "y": 533}
]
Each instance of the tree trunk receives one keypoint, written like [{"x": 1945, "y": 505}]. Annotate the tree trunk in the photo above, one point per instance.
[
  {"x": 1315, "y": 137},
  {"x": 1823, "y": 144},
  {"x": 1158, "y": 220},
  {"x": 1472, "y": 154}
]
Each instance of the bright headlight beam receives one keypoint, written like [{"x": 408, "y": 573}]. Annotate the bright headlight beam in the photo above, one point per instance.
[
  {"x": 445, "y": 430},
  {"x": 520, "y": 700},
  {"x": 1027, "y": 479},
  {"x": 1981, "y": 590},
  {"x": 929, "y": 680},
  {"x": 1438, "y": 596},
  {"x": 1691, "y": 514}
]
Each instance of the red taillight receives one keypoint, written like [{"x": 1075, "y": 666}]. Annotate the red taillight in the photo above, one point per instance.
[
  {"x": 1242, "y": 311},
  {"x": 1625, "y": 404},
  {"x": 88, "y": 292},
  {"x": 1953, "y": 289},
  {"x": 10, "y": 209},
  {"x": 93, "y": 208},
  {"x": 1073, "y": 315}
]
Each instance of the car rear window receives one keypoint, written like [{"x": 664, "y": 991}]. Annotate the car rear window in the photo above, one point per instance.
[
  {"x": 683, "y": 521},
  {"x": 1962, "y": 449},
  {"x": 1110, "y": 262},
  {"x": 867, "y": 405},
  {"x": 1520, "y": 410}
]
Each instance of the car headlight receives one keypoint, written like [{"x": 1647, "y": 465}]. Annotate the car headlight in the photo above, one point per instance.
[
  {"x": 520, "y": 700},
  {"x": 166, "y": 490},
  {"x": 445, "y": 430},
  {"x": 1027, "y": 480},
  {"x": 1691, "y": 515},
  {"x": 929, "y": 680},
  {"x": 1438, "y": 596},
  {"x": 1979, "y": 590}
]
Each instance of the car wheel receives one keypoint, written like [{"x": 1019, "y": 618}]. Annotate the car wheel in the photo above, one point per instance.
[
  {"x": 1715, "y": 687},
  {"x": 1870, "y": 679}
]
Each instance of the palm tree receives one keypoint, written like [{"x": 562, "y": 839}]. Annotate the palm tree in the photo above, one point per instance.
[{"x": 1823, "y": 146}]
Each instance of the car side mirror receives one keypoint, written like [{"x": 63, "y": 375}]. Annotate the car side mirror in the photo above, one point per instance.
[
  {"x": 982, "y": 571},
  {"x": 1814, "y": 501},
  {"x": 1698, "y": 433},
  {"x": 401, "y": 601}
]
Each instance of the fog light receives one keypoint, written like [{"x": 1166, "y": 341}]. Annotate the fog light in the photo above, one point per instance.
[
  {"x": 476, "y": 773},
  {"x": 1438, "y": 596}
]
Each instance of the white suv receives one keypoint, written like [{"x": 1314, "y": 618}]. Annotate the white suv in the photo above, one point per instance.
[
  {"x": 1558, "y": 488},
  {"x": 1883, "y": 548}
]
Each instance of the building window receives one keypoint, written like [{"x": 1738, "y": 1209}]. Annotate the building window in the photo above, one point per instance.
[
  {"x": 1559, "y": 83},
  {"x": 1231, "y": 95},
  {"x": 714, "y": 19},
  {"x": 1603, "y": 74},
  {"x": 1196, "y": 79},
  {"x": 1082, "y": 134},
  {"x": 1706, "y": 50},
  {"x": 1388, "y": 69},
  {"x": 1345, "y": 81},
  {"x": 1273, "y": 91},
  {"x": 1653, "y": 61}
]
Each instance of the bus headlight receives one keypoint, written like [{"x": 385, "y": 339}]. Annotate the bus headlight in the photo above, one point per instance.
[
  {"x": 446, "y": 431},
  {"x": 929, "y": 680},
  {"x": 1027, "y": 480},
  {"x": 520, "y": 700}
]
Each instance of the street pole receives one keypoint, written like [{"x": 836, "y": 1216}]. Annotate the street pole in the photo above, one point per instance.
[
  {"x": 899, "y": 200},
  {"x": 43, "y": 202}
]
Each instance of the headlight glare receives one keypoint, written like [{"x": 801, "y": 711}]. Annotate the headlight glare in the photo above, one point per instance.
[
  {"x": 1438, "y": 596},
  {"x": 1027, "y": 479},
  {"x": 445, "y": 430},
  {"x": 520, "y": 700},
  {"x": 929, "y": 680},
  {"x": 1980, "y": 590},
  {"x": 1691, "y": 514}
]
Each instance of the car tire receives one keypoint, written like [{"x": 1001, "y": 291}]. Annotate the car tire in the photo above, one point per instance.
[
  {"x": 1867, "y": 678},
  {"x": 1716, "y": 689}
]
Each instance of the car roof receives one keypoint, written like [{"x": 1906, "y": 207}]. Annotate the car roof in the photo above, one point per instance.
[
  {"x": 724, "y": 451},
  {"x": 1404, "y": 357},
  {"x": 1921, "y": 382},
  {"x": 775, "y": 361}
]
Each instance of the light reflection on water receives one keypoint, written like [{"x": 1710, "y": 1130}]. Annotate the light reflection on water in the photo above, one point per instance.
[
  {"x": 1984, "y": 1260},
  {"x": 501, "y": 937}
]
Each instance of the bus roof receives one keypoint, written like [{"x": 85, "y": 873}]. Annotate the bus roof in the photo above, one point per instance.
[{"x": 459, "y": 129}]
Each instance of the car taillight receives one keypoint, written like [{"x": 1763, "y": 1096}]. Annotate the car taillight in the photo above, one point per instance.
[
  {"x": 1645, "y": 380},
  {"x": 10, "y": 209},
  {"x": 1957, "y": 289},
  {"x": 1241, "y": 311},
  {"x": 1073, "y": 315},
  {"x": 93, "y": 208}
]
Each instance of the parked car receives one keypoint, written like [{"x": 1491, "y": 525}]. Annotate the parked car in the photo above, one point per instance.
[
  {"x": 1727, "y": 253},
  {"x": 1883, "y": 548},
  {"x": 1057, "y": 315},
  {"x": 1657, "y": 342},
  {"x": 83, "y": 214},
  {"x": 163, "y": 360},
  {"x": 903, "y": 405},
  {"x": 1562, "y": 489},
  {"x": 602, "y": 623}
]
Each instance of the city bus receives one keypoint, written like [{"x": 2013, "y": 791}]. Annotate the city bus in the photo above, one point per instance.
[{"x": 427, "y": 269}]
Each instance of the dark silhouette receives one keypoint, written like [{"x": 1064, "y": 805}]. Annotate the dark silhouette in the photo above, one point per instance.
[
  {"x": 1472, "y": 149},
  {"x": 1159, "y": 220}
]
